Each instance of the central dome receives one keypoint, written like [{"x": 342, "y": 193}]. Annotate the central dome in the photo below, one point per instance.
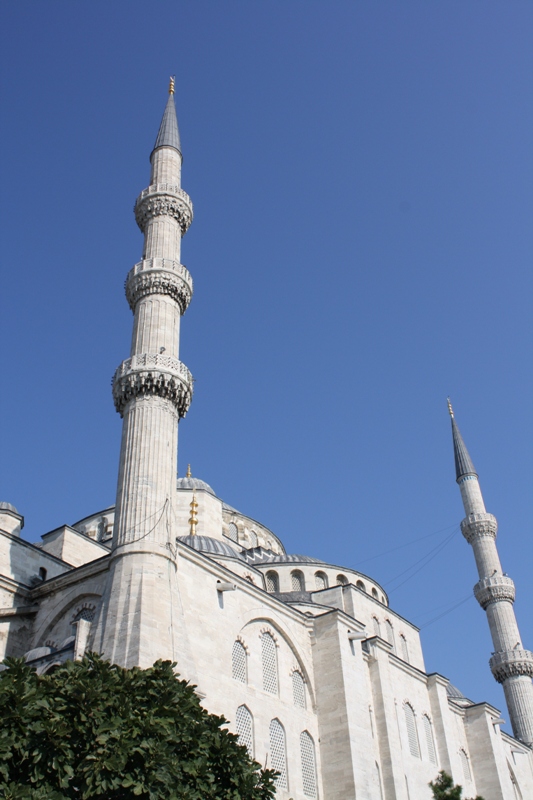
[{"x": 194, "y": 483}]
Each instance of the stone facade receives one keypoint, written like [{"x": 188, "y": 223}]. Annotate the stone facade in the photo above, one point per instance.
[{"x": 320, "y": 678}]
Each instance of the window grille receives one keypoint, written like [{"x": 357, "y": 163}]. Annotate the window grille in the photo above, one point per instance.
[
  {"x": 430, "y": 744},
  {"x": 390, "y": 634},
  {"x": 405, "y": 650},
  {"x": 278, "y": 755},
  {"x": 233, "y": 532},
  {"x": 377, "y": 627},
  {"x": 85, "y": 613},
  {"x": 253, "y": 538},
  {"x": 307, "y": 752},
  {"x": 272, "y": 582},
  {"x": 321, "y": 581},
  {"x": 466, "y": 765},
  {"x": 270, "y": 664},
  {"x": 298, "y": 689},
  {"x": 410, "y": 722},
  {"x": 297, "y": 581},
  {"x": 238, "y": 662},
  {"x": 245, "y": 729}
]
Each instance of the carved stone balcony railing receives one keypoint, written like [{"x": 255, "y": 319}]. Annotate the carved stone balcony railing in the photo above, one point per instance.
[
  {"x": 511, "y": 663},
  {"x": 163, "y": 199},
  {"x": 159, "y": 276},
  {"x": 497, "y": 587},
  {"x": 153, "y": 374},
  {"x": 476, "y": 525}
]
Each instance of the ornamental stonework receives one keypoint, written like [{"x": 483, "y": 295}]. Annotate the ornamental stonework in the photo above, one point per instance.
[
  {"x": 491, "y": 590},
  {"x": 477, "y": 525},
  {"x": 153, "y": 375},
  {"x": 158, "y": 281},
  {"x": 511, "y": 664},
  {"x": 163, "y": 200}
]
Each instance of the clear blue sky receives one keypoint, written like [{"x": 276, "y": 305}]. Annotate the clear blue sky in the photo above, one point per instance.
[{"x": 362, "y": 247}]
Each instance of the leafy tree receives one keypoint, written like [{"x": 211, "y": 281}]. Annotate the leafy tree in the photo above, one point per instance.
[
  {"x": 91, "y": 729},
  {"x": 443, "y": 788}
]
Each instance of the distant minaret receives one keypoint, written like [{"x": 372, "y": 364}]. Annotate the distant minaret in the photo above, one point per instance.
[
  {"x": 152, "y": 390},
  {"x": 511, "y": 665}
]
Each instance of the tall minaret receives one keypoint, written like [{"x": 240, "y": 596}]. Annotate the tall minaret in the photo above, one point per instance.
[
  {"x": 152, "y": 390},
  {"x": 511, "y": 665}
]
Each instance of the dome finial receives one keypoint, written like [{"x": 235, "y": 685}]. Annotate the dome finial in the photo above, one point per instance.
[
  {"x": 189, "y": 473},
  {"x": 171, "y": 84},
  {"x": 450, "y": 409},
  {"x": 193, "y": 521}
]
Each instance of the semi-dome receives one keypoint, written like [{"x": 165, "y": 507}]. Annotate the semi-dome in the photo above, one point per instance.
[
  {"x": 8, "y": 507},
  {"x": 205, "y": 544},
  {"x": 194, "y": 483},
  {"x": 258, "y": 555}
]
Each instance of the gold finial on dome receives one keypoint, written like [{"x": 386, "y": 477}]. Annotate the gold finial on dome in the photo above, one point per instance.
[
  {"x": 189, "y": 473},
  {"x": 193, "y": 519},
  {"x": 171, "y": 84},
  {"x": 450, "y": 409}
]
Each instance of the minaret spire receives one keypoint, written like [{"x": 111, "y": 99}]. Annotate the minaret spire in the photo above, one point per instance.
[
  {"x": 511, "y": 665},
  {"x": 152, "y": 391}
]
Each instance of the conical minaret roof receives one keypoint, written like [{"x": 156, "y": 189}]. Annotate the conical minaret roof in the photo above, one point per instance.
[
  {"x": 169, "y": 135},
  {"x": 463, "y": 462}
]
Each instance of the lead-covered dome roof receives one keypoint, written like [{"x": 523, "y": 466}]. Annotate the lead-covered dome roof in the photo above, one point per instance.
[
  {"x": 8, "y": 507},
  {"x": 205, "y": 544},
  {"x": 259, "y": 555},
  {"x": 194, "y": 483}
]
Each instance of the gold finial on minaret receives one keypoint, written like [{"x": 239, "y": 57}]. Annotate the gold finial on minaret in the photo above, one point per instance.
[
  {"x": 171, "y": 84},
  {"x": 450, "y": 409},
  {"x": 193, "y": 521},
  {"x": 189, "y": 473}
]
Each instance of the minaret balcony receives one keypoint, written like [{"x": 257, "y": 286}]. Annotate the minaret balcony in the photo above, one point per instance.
[
  {"x": 163, "y": 199},
  {"x": 153, "y": 375},
  {"x": 511, "y": 664},
  {"x": 159, "y": 276},
  {"x": 476, "y": 525},
  {"x": 493, "y": 589}
]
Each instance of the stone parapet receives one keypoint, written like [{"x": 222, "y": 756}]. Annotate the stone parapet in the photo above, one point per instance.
[
  {"x": 159, "y": 276},
  {"x": 153, "y": 374},
  {"x": 490, "y": 590},
  {"x": 511, "y": 663},
  {"x": 477, "y": 525},
  {"x": 163, "y": 199}
]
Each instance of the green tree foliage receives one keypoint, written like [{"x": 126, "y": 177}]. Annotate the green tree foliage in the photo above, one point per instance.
[
  {"x": 91, "y": 729},
  {"x": 443, "y": 788}
]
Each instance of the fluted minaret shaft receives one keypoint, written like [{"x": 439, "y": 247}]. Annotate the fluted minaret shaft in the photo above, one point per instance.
[
  {"x": 511, "y": 664},
  {"x": 152, "y": 390}
]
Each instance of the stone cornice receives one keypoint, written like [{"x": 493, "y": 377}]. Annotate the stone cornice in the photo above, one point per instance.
[
  {"x": 73, "y": 576},
  {"x": 150, "y": 374},
  {"x": 159, "y": 276},
  {"x": 494, "y": 589},
  {"x": 163, "y": 199},
  {"x": 477, "y": 525},
  {"x": 511, "y": 664}
]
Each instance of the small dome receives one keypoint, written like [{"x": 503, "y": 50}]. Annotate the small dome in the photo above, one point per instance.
[
  {"x": 205, "y": 544},
  {"x": 194, "y": 483},
  {"x": 455, "y": 693},
  {"x": 8, "y": 507}
]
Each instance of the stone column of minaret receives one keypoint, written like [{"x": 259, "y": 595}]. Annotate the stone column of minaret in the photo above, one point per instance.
[
  {"x": 152, "y": 390},
  {"x": 511, "y": 664}
]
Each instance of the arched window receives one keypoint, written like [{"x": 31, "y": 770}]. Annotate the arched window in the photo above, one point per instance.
[
  {"x": 389, "y": 632},
  {"x": 466, "y": 764},
  {"x": 238, "y": 662},
  {"x": 249, "y": 579},
  {"x": 321, "y": 580},
  {"x": 342, "y": 580},
  {"x": 377, "y": 627},
  {"x": 269, "y": 660},
  {"x": 307, "y": 753},
  {"x": 374, "y": 592},
  {"x": 272, "y": 581},
  {"x": 253, "y": 538},
  {"x": 245, "y": 729},
  {"x": 404, "y": 648},
  {"x": 278, "y": 753},
  {"x": 42, "y": 573},
  {"x": 361, "y": 585},
  {"x": 233, "y": 533},
  {"x": 430, "y": 743},
  {"x": 412, "y": 735},
  {"x": 297, "y": 581},
  {"x": 298, "y": 689}
]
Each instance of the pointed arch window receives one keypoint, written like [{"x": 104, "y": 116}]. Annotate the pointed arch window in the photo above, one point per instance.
[
  {"x": 378, "y": 780},
  {"x": 377, "y": 626},
  {"x": 233, "y": 532},
  {"x": 297, "y": 581},
  {"x": 361, "y": 585},
  {"x": 269, "y": 660},
  {"x": 272, "y": 581},
  {"x": 465, "y": 764},
  {"x": 374, "y": 592},
  {"x": 238, "y": 662},
  {"x": 298, "y": 689},
  {"x": 321, "y": 580},
  {"x": 389, "y": 632},
  {"x": 342, "y": 580},
  {"x": 430, "y": 742},
  {"x": 253, "y": 538},
  {"x": 307, "y": 754},
  {"x": 404, "y": 648},
  {"x": 412, "y": 736},
  {"x": 245, "y": 729},
  {"x": 278, "y": 753}
]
